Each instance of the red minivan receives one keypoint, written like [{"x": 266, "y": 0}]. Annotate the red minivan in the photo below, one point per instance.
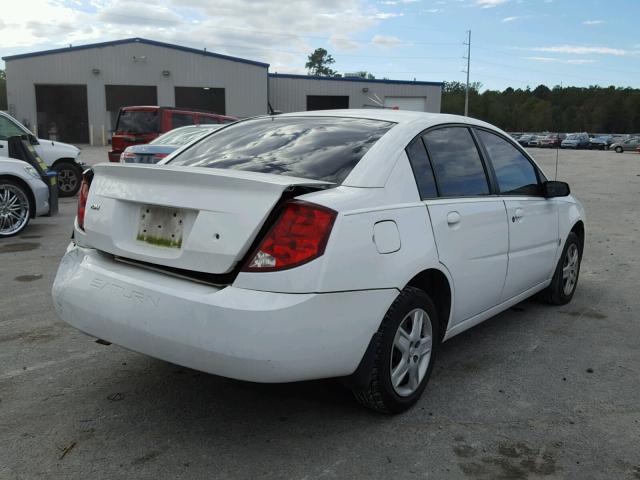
[{"x": 138, "y": 125}]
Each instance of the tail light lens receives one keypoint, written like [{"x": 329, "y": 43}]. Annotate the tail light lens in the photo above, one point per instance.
[
  {"x": 126, "y": 155},
  {"x": 299, "y": 235},
  {"x": 159, "y": 156},
  {"x": 87, "y": 176}
]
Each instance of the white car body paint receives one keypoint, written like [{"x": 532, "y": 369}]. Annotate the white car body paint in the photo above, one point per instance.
[
  {"x": 17, "y": 169},
  {"x": 315, "y": 320}
]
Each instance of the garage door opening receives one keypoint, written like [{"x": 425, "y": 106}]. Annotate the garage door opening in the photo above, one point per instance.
[
  {"x": 416, "y": 104},
  {"x": 201, "y": 98},
  {"x": 62, "y": 113},
  {"x": 119, "y": 96},
  {"x": 327, "y": 102}
]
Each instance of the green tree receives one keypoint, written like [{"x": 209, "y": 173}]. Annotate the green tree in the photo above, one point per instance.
[
  {"x": 367, "y": 75},
  {"x": 318, "y": 63},
  {"x": 592, "y": 109}
]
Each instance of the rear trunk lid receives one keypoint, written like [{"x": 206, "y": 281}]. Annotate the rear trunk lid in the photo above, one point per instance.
[{"x": 191, "y": 218}]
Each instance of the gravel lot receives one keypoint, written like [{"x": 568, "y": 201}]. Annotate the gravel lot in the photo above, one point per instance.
[{"x": 537, "y": 392}]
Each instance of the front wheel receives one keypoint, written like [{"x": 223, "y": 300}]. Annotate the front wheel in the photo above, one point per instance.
[
  {"x": 404, "y": 351},
  {"x": 618, "y": 149},
  {"x": 69, "y": 178},
  {"x": 565, "y": 279},
  {"x": 14, "y": 208}
]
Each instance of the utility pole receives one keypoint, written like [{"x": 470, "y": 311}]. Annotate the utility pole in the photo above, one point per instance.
[{"x": 468, "y": 57}]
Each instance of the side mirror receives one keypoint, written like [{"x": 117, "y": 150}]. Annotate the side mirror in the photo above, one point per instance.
[
  {"x": 551, "y": 189},
  {"x": 33, "y": 140}
]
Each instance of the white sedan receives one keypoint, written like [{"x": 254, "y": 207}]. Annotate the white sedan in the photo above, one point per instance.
[{"x": 344, "y": 243}]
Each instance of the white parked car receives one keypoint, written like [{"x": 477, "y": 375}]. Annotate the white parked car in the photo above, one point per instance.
[
  {"x": 61, "y": 157},
  {"x": 23, "y": 195},
  {"x": 344, "y": 243}
]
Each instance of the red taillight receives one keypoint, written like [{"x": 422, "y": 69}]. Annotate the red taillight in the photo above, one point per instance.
[
  {"x": 159, "y": 156},
  {"x": 87, "y": 176},
  {"x": 299, "y": 235}
]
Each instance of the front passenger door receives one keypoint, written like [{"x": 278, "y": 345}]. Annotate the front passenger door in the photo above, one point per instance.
[{"x": 532, "y": 219}]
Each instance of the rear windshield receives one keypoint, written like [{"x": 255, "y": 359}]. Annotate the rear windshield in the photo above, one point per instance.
[
  {"x": 138, "y": 121},
  {"x": 318, "y": 148}
]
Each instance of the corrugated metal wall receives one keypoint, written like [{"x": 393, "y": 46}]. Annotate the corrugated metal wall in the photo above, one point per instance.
[
  {"x": 133, "y": 64},
  {"x": 290, "y": 94}
]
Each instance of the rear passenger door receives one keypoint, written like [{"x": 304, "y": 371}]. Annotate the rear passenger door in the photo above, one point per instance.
[
  {"x": 533, "y": 219},
  {"x": 469, "y": 224}
]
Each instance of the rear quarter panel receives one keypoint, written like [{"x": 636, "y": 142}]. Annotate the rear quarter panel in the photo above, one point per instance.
[{"x": 351, "y": 260}]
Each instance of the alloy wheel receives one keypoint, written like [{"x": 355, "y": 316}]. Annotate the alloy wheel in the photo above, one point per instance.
[
  {"x": 67, "y": 180},
  {"x": 411, "y": 352},
  {"x": 570, "y": 269},
  {"x": 14, "y": 209}
]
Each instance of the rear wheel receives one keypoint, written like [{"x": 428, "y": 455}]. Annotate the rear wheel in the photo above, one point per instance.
[
  {"x": 14, "y": 208},
  {"x": 69, "y": 178},
  {"x": 618, "y": 149},
  {"x": 565, "y": 279},
  {"x": 403, "y": 354}
]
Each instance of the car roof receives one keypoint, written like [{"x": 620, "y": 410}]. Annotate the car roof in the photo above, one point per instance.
[{"x": 391, "y": 115}]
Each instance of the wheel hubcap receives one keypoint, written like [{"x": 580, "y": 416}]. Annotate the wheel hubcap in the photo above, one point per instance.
[
  {"x": 411, "y": 352},
  {"x": 67, "y": 180},
  {"x": 570, "y": 269},
  {"x": 14, "y": 209}
]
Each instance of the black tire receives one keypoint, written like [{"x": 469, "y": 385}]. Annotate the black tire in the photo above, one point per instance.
[
  {"x": 555, "y": 293},
  {"x": 378, "y": 393},
  {"x": 618, "y": 149},
  {"x": 69, "y": 178}
]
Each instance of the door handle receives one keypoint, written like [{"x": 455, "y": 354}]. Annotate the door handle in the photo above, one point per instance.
[
  {"x": 453, "y": 218},
  {"x": 517, "y": 215}
]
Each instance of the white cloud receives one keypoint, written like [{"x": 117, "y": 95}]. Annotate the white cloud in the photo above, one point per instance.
[
  {"x": 593, "y": 22},
  {"x": 578, "y": 50},
  {"x": 272, "y": 31},
  {"x": 570, "y": 61},
  {"x": 490, "y": 3},
  {"x": 343, "y": 43},
  {"x": 511, "y": 19},
  {"x": 386, "y": 41}
]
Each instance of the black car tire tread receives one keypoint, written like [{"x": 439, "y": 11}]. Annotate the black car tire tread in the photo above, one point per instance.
[
  {"x": 377, "y": 395},
  {"x": 67, "y": 164},
  {"x": 554, "y": 293}
]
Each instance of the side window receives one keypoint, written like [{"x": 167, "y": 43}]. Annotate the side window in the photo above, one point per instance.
[
  {"x": 9, "y": 129},
  {"x": 181, "y": 119},
  {"x": 516, "y": 174},
  {"x": 456, "y": 162},
  {"x": 422, "y": 169}
]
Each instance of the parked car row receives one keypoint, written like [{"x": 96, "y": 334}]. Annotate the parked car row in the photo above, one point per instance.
[{"x": 578, "y": 141}]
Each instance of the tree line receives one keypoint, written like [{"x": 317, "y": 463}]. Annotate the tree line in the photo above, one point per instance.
[{"x": 591, "y": 109}]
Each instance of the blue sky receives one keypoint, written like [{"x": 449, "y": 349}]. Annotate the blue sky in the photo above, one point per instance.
[{"x": 515, "y": 43}]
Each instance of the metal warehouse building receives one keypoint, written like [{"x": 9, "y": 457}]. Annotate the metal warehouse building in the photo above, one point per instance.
[
  {"x": 74, "y": 94},
  {"x": 294, "y": 93}
]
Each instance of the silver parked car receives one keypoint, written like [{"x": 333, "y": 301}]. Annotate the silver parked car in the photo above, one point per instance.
[
  {"x": 23, "y": 195},
  {"x": 628, "y": 145}
]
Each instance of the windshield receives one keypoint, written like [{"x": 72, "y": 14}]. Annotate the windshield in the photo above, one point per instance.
[
  {"x": 138, "y": 121},
  {"x": 319, "y": 148},
  {"x": 182, "y": 136},
  {"x": 572, "y": 136}
]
